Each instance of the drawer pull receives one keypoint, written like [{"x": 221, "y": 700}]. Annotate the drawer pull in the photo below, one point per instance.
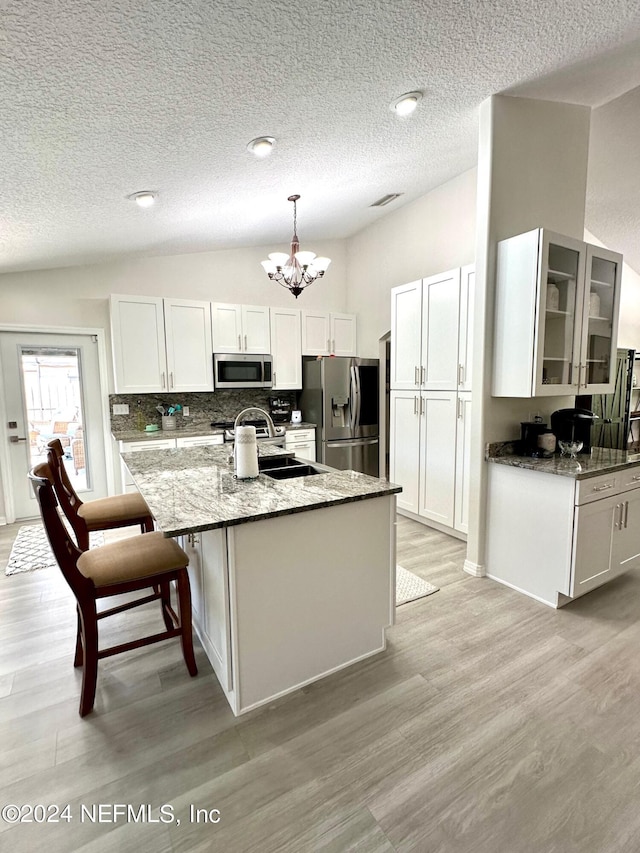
[
  {"x": 603, "y": 487},
  {"x": 636, "y": 477}
]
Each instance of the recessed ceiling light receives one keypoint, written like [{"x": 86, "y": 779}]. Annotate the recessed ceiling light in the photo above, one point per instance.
[
  {"x": 144, "y": 198},
  {"x": 261, "y": 146},
  {"x": 405, "y": 104}
]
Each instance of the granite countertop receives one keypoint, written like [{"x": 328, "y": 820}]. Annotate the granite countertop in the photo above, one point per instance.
[
  {"x": 601, "y": 460},
  {"x": 192, "y": 489},
  {"x": 184, "y": 432}
]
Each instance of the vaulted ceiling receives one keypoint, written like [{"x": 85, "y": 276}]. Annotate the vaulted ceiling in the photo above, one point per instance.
[{"x": 98, "y": 100}]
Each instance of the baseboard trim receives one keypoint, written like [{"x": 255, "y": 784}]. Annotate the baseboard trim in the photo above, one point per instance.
[
  {"x": 3, "y": 519},
  {"x": 524, "y": 592},
  {"x": 435, "y": 525},
  {"x": 476, "y": 570}
]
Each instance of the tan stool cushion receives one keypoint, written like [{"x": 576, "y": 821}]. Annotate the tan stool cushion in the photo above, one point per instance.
[
  {"x": 131, "y": 558},
  {"x": 113, "y": 509}
]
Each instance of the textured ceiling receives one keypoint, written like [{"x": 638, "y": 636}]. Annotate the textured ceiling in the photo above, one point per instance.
[{"x": 98, "y": 100}]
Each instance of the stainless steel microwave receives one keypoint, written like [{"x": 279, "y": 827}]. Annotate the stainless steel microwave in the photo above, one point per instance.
[{"x": 242, "y": 370}]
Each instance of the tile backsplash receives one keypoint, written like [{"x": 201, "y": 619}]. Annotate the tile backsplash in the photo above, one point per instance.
[{"x": 203, "y": 408}]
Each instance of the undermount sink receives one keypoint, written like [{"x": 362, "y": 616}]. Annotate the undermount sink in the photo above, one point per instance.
[
  {"x": 277, "y": 462},
  {"x": 290, "y": 471}
]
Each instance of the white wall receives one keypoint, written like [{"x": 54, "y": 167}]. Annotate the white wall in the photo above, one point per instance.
[
  {"x": 428, "y": 236},
  {"x": 629, "y": 325}
]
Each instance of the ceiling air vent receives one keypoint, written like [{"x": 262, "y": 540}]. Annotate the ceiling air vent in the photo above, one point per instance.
[{"x": 386, "y": 199}]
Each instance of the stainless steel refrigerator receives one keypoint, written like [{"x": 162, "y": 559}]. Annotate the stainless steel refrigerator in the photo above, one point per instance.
[{"x": 341, "y": 395}]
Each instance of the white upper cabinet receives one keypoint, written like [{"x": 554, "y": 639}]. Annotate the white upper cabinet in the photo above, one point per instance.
[
  {"x": 327, "y": 333},
  {"x": 465, "y": 329},
  {"x": 406, "y": 328},
  {"x": 161, "y": 345},
  {"x": 556, "y": 322},
  {"x": 343, "y": 334},
  {"x": 240, "y": 328},
  {"x": 431, "y": 324},
  {"x": 187, "y": 326},
  {"x": 440, "y": 320},
  {"x": 286, "y": 348}
]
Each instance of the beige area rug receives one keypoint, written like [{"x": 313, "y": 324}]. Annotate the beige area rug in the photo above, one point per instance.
[
  {"x": 409, "y": 587},
  {"x": 31, "y": 550}
]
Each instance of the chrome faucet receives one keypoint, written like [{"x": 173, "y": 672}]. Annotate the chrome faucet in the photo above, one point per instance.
[
  {"x": 253, "y": 410},
  {"x": 250, "y": 411}
]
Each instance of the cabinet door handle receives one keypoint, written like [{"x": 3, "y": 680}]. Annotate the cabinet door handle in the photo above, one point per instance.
[
  {"x": 618, "y": 521},
  {"x": 416, "y": 381},
  {"x": 586, "y": 385},
  {"x": 423, "y": 372},
  {"x": 328, "y": 344},
  {"x": 239, "y": 342},
  {"x": 603, "y": 487},
  {"x": 415, "y": 405},
  {"x": 171, "y": 380},
  {"x": 245, "y": 343},
  {"x": 626, "y": 513},
  {"x": 459, "y": 407},
  {"x": 275, "y": 381},
  {"x": 333, "y": 348},
  {"x": 164, "y": 384},
  {"x": 422, "y": 405},
  {"x": 460, "y": 374}
]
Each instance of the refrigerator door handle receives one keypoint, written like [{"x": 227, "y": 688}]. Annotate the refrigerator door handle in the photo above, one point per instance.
[
  {"x": 352, "y": 398},
  {"x": 355, "y": 378}
]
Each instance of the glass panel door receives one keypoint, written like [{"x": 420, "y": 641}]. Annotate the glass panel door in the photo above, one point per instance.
[
  {"x": 562, "y": 307},
  {"x": 601, "y": 295},
  {"x": 53, "y": 403}
]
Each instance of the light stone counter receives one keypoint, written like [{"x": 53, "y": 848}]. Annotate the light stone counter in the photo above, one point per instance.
[
  {"x": 193, "y": 489},
  {"x": 601, "y": 460}
]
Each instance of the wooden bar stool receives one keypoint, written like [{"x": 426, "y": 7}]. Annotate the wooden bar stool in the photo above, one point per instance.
[
  {"x": 101, "y": 514},
  {"x": 148, "y": 560}
]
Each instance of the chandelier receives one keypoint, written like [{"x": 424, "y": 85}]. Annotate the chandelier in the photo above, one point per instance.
[{"x": 296, "y": 270}]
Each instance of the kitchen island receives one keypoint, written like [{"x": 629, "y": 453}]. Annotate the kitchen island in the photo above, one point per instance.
[
  {"x": 290, "y": 580},
  {"x": 558, "y": 527}
]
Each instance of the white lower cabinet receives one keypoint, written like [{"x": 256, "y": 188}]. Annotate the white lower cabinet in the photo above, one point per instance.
[
  {"x": 199, "y": 440},
  {"x": 302, "y": 442},
  {"x": 551, "y": 536},
  {"x": 438, "y": 456},
  {"x": 404, "y": 447},
  {"x": 429, "y": 455}
]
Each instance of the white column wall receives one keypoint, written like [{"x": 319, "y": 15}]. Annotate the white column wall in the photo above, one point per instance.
[{"x": 532, "y": 172}]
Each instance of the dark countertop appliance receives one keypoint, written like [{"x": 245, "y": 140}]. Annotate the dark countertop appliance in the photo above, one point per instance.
[
  {"x": 574, "y": 425},
  {"x": 529, "y": 433}
]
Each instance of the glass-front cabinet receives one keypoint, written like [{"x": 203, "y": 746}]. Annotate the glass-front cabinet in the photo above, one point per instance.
[{"x": 557, "y": 305}]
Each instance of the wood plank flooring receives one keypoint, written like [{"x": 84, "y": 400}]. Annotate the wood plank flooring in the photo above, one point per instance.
[{"x": 491, "y": 724}]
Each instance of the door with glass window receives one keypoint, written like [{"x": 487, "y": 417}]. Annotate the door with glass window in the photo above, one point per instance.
[{"x": 52, "y": 390}]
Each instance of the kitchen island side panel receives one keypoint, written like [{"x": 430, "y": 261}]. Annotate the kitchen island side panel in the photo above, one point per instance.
[
  {"x": 310, "y": 593},
  {"x": 530, "y": 531}
]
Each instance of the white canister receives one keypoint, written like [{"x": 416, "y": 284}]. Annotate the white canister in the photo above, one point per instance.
[
  {"x": 245, "y": 453},
  {"x": 553, "y": 297},
  {"x": 547, "y": 442},
  {"x": 296, "y": 416},
  {"x": 594, "y": 304}
]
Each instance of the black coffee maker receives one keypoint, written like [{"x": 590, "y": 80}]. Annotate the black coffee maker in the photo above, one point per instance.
[{"x": 574, "y": 425}]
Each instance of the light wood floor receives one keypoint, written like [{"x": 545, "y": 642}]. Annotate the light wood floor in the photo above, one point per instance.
[{"x": 492, "y": 724}]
